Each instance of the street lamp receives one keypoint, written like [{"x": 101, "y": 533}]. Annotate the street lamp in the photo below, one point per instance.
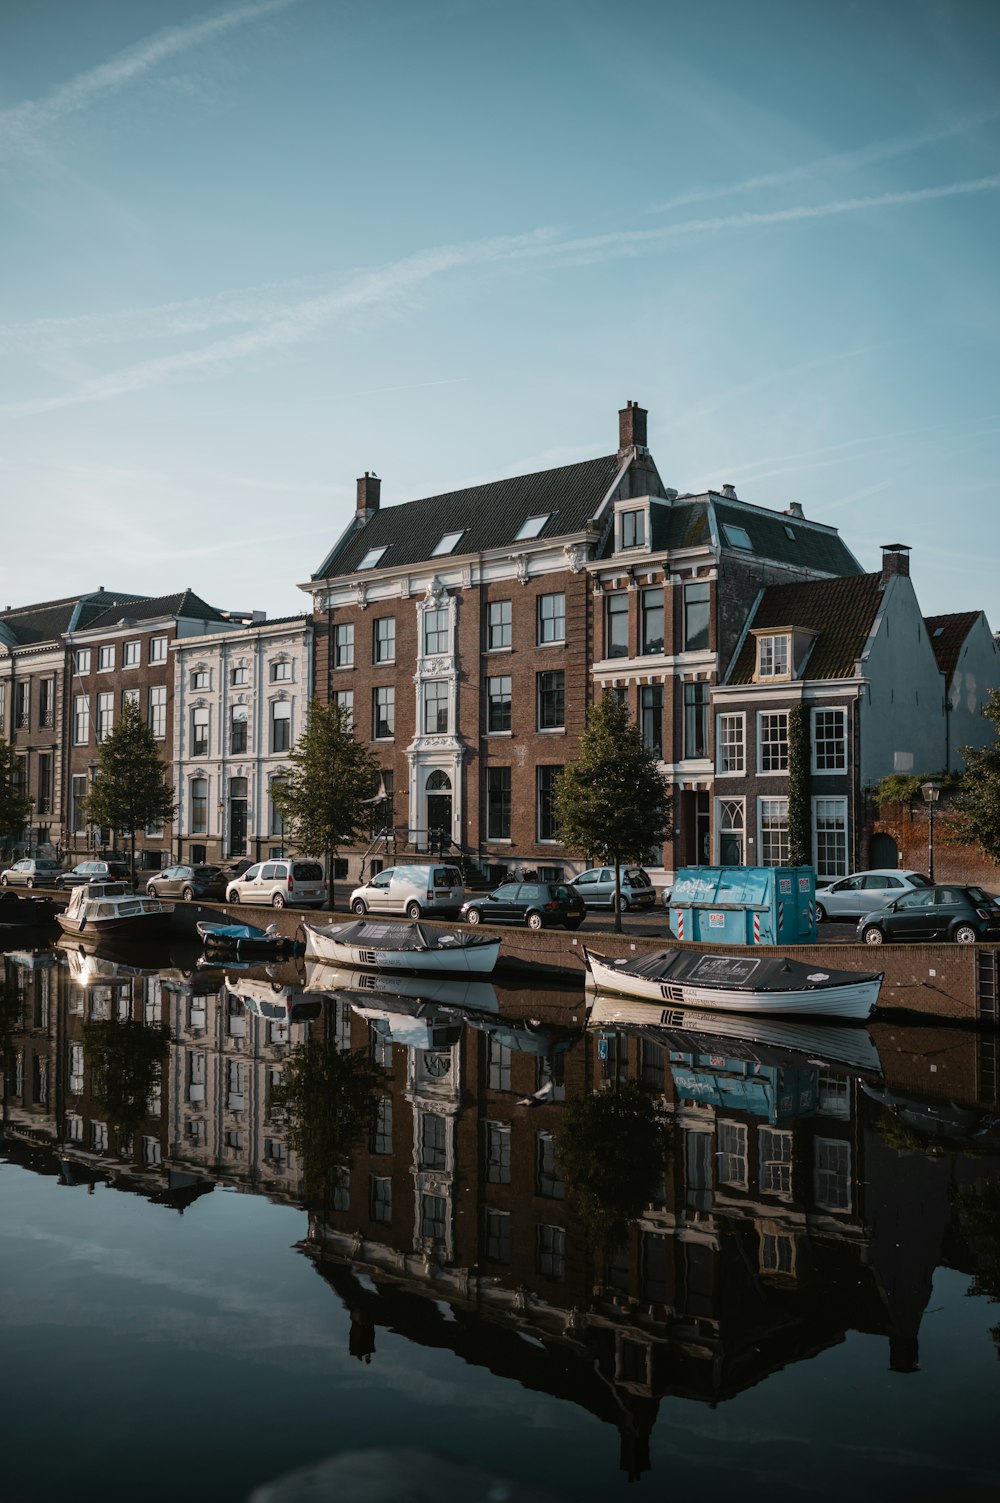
[{"x": 931, "y": 793}]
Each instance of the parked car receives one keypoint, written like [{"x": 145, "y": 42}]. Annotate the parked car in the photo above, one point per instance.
[
  {"x": 413, "y": 890},
  {"x": 95, "y": 871},
  {"x": 232, "y": 869},
  {"x": 962, "y": 914},
  {"x": 295, "y": 879},
  {"x": 33, "y": 871},
  {"x": 187, "y": 882},
  {"x": 863, "y": 892},
  {"x": 540, "y": 905},
  {"x": 597, "y": 888}
]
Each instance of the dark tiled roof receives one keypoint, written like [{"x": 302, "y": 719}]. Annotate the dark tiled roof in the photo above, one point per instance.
[
  {"x": 491, "y": 515},
  {"x": 31, "y": 624},
  {"x": 840, "y": 611},
  {"x": 187, "y": 605},
  {"x": 812, "y": 547},
  {"x": 947, "y": 634}
]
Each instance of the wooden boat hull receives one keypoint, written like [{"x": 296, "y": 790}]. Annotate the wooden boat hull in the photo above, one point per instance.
[
  {"x": 851, "y": 999},
  {"x": 137, "y": 926},
  {"x": 466, "y": 956}
]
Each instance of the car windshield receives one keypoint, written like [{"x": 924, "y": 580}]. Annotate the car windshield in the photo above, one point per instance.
[{"x": 916, "y": 879}]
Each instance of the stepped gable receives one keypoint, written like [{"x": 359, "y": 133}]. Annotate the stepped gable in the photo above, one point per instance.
[
  {"x": 948, "y": 634},
  {"x": 840, "y": 611},
  {"x": 490, "y": 516}
]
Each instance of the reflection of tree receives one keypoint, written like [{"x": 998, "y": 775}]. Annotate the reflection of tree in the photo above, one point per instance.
[
  {"x": 125, "y": 1060},
  {"x": 977, "y": 1215},
  {"x": 10, "y": 1020},
  {"x": 327, "y": 1100},
  {"x": 611, "y": 1148}
]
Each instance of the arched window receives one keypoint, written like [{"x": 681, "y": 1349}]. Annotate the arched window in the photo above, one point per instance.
[{"x": 439, "y": 782}]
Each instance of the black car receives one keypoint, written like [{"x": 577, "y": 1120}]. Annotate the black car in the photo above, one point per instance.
[
  {"x": 95, "y": 871},
  {"x": 962, "y": 914},
  {"x": 188, "y": 882},
  {"x": 537, "y": 904}
]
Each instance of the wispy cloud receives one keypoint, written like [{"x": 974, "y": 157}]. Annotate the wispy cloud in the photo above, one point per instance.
[
  {"x": 835, "y": 162},
  {"x": 22, "y": 124},
  {"x": 276, "y": 323}
]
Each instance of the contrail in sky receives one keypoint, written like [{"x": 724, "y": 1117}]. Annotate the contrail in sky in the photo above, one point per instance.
[
  {"x": 841, "y": 161},
  {"x": 22, "y": 122}
]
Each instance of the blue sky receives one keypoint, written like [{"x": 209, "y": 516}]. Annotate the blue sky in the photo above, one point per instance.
[{"x": 253, "y": 250}]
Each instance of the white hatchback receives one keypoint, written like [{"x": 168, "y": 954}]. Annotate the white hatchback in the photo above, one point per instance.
[
  {"x": 273, "y": 884},
  {"x": 862, "y": 892}
]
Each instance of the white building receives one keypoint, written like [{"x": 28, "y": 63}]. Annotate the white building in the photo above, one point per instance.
[{"x": 240, "y": 703}]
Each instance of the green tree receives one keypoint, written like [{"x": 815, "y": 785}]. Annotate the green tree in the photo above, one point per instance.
[
  {"x": 613, "y": 803},
  {"x": 324, "y": 795},
  {"x": 326, "y": 1099},
  {"x": 611, "y": 1147},
  {"x": 799, "y": 815},
  {"x": 15, "y": 805},
  {"x": 979, "y": 800},
  {"x": 131, "y": 788},
  {"x": 125, "y": 1060}
]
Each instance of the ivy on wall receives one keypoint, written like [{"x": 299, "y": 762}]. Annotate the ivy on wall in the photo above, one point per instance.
[{"x": 799, "y": 821}]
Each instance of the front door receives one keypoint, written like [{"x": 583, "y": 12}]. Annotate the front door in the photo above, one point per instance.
[
  {"x": 237, "y": 816},
  {"x": 438, "y": 820},
  {"x": 730, "y": 849}
]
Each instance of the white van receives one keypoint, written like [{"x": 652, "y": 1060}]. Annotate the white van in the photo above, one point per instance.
[{"x": 413, "y": 890}]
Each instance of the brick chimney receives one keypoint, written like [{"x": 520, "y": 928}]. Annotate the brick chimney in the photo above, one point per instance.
[
  {"x": 632, "y": 427},
  {"x": 369, "y": 487},
  {"x": 895, "y": 560}
]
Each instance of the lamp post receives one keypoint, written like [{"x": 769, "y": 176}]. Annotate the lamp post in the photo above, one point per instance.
[{"x": 931, "y": 793}]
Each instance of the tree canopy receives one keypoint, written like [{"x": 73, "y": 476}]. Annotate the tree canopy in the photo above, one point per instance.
[
  {"x": 131, "y": 788},
  {"x": 126, "y": 1059},
  {"x": 323, "y": 795},
  {"x": 979, "y": 800},
  {"x": 612, "y": 804},
  {"x": 611, "y": 1148},
  {"x": 15, "y": 804}
]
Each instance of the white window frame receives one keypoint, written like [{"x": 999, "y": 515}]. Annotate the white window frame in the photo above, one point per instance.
[
  {"x": 556, "y": 622},
  {"x": 775, "y": 1161},
  {"x": 733, "y": 1162},
  {"x": 826, "y": 870},
  {"x": 829, "y": 741},
  {"x": 106, "y": 658},
  {"x": 132, "y": 653},
  {"x": 783, "y": 835},
  {"x": 778, "y": 716},
  {"x": 770, "y": 656},
  {"x": 81, "y": 719},
  {"x": 156, "y": 711},
  {"x": 157, "y": 649},
  {"x": 832, "y": 1180},
  {"x": 723, "y": 743}
]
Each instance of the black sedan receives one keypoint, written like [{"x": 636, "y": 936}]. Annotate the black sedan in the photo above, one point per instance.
[
  {"x": 962, "y": 914},
  {"x": 188, "y": 882},
  {"x": 537, "y": 904}
]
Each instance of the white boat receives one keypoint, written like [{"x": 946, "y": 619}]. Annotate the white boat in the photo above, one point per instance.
[
  {"x": 113, "y": 910},
  {"x": 738, "y": 983},
  {"x": 370, "y": 945},
  {"x": 818, "y": 1043},
  {"x": 449, "y": 991}
]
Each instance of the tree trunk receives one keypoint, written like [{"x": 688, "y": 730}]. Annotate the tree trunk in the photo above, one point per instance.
[
  {"x": 618, "y": 897},
  {"x": 329, "y": 879},
  {"x": 132, "y": 867}
]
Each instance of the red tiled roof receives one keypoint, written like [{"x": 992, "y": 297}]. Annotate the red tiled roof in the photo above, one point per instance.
[
  {"x": 840, "y": 611},
  {"x": 947, "y": 634}
]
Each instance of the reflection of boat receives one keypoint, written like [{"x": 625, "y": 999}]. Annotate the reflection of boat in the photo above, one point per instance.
[
  {"x": 273, "y": 1000},
  {"x": 528, "y": 1036},
  {"x": 245, "y": 939},
  {"x": 115, "y": 910},
  {"x": 818, "y": 1043},
  {"x": 17, "y": 912},
  {"x": 370, "y": 944},
  {"x": 452, "y": 991},
  {"x": 91, "y": 964},
  {"x": 737, "y": 983},
  {"x": 946, "y": 1120}
]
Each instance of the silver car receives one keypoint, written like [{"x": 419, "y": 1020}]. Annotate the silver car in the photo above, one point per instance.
[
  {"x": 862, "y": 892},
  {"x": 597, "y": 888},
  {"x": 275, "y": 884},
  {"x": 32, "y": 873}
]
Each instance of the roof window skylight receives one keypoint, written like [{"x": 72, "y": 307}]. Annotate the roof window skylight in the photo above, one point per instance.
[
  {"x": 373, "y": 556},
  {"x": 790, "y": 532},
  {"x": 531, "y": 527},
  {"x": 736, "y": 537},
  {"x": 448, "y": 543},
  {"x": 939, "y": 631}
]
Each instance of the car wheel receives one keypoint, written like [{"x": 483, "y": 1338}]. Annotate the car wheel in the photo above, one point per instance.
[
  {"x": 413, "y": 910},
  {"x": 624, "y": 905},
  {"x": 233, "y": 897},
  {"x": 473, "y": 916},
  {"x": 359, "y": 907},
  {"x": 820, "y": 913},
  {"x": 150, "y": 890},
  {"x": 873, "y": 935},
  {"x": 534, "y": 920},
  {"x": 30, "y": 882},
  {"x": 965, "y": 935},
  {"x": 573, "y": 923},
  {"x": 188, "y": 894},
  {"x": 277, "y": 901}
]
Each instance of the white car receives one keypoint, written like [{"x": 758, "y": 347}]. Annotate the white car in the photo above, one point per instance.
[
  {"x": 862, "y": 892},
  {"x": 273, "y": 884}
]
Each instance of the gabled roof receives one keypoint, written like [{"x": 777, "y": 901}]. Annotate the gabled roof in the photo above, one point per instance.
[
  {"x": 840, "y": 611},
  {"x": 31, "y": 624},
  {"x": 488, "y": 516},
  {"x": 187, "y": 605},
  {"x": 948, "y": 634}
]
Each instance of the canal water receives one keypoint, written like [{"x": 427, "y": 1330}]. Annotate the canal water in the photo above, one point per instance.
[{"x": 254, "y": 1219}]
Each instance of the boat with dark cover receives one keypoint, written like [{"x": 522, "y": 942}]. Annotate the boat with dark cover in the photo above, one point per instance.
[{"x": 246, "y": 939}]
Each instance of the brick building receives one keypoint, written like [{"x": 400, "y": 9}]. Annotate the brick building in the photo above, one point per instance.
[{"x": 469, "y": 632}]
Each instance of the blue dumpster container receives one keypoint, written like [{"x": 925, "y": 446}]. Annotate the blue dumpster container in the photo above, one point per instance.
[{"x": 744, "y": 905}]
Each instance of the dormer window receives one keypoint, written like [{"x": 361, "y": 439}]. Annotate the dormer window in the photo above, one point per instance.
[
  {"x": 531, "y": 527},
  {"x": 633, "y": 529},
  {"x": 448, "y": 543},
  {"x": 736, "y": 537},
  {"x": 373, "y": 556},
  {"x": 773, "y": 657}
]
